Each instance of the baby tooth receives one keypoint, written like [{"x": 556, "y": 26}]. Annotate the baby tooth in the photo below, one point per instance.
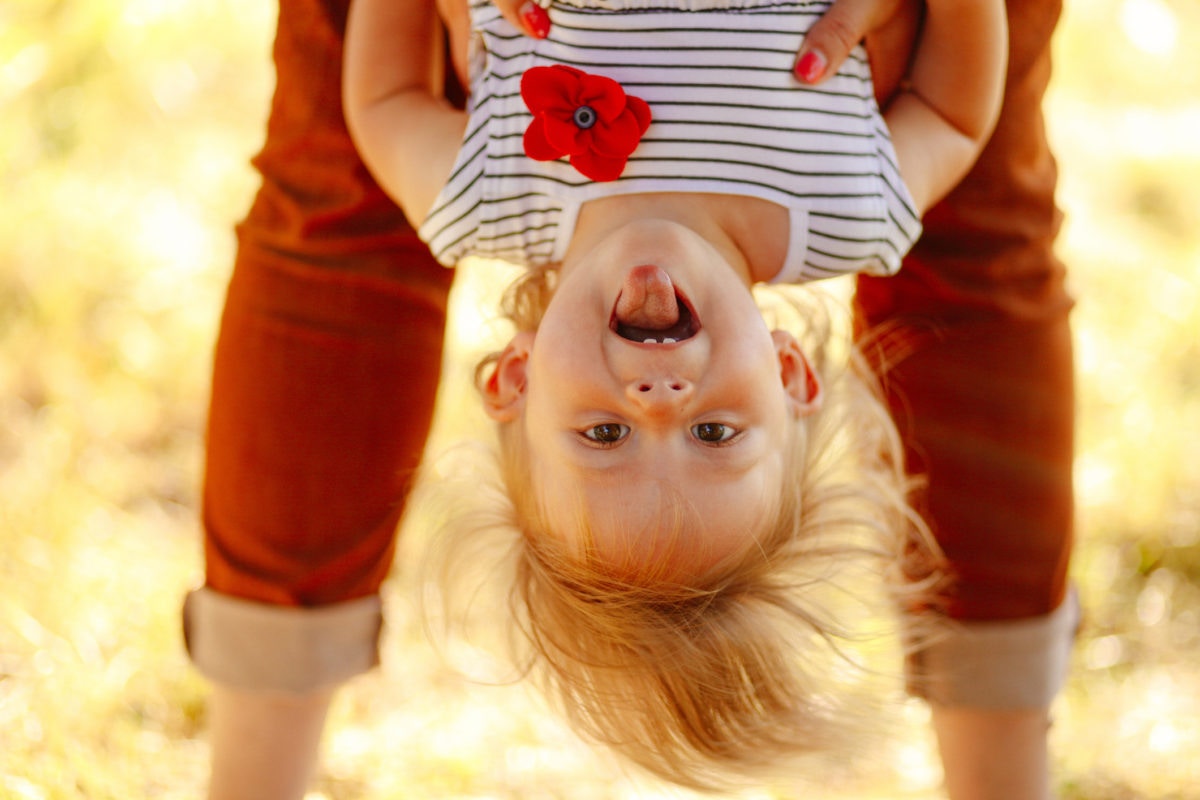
[
  {"x": 649, "y": 340},
  {"x": 668, "y": 341}
]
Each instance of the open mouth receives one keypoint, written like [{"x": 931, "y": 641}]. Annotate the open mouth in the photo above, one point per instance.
[{"x": 685, "y": 326}]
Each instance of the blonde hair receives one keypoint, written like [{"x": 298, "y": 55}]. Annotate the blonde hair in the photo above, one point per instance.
[{"x": 729, "y": 677}]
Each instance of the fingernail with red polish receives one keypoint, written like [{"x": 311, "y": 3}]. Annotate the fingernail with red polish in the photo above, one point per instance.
[
  {"x": 535, "y": 19},
  {"x": 810, "y": 67}
]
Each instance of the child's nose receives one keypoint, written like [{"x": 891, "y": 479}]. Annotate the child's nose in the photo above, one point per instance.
[{"x": 659, "y": 394}]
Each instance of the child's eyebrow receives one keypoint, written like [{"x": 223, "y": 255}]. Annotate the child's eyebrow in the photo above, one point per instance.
[{"x": 611, "y": 463}]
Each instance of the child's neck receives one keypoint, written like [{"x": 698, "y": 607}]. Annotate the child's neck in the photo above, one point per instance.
[{"x": 750, "y": 233}]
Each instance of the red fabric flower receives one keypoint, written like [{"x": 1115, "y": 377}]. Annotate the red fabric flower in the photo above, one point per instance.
[{"x": 587, "y": 118}]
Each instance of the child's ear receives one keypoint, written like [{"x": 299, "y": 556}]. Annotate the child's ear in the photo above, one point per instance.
[
  {"x": 800, "y": 381},
  {"x": 504, "y": 391}
]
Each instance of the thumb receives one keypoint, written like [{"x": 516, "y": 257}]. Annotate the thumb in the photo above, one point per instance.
[{"x": 835, "y": 34}]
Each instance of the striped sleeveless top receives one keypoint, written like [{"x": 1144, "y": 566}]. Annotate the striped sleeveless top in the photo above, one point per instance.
[{"x": 728, "y": 117}]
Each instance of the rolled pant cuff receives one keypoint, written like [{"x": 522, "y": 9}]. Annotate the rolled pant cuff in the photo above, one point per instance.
[
  {"x": 254, "y": 646},
  {"x": 1001, "y": 665}
]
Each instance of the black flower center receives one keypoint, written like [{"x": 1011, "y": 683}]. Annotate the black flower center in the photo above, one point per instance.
[{"x": 584, "y": 117}]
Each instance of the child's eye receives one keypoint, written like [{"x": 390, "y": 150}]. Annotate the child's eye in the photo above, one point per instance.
[
  {"x": 714, "y": 432},
  {"x": 606, "y": 433}
]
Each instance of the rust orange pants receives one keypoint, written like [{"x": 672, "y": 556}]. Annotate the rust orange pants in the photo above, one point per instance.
[
  {"x": 330, "y": 346},
  {"x": 977, "y": 357},
  {"x": 328, "y": 356}
]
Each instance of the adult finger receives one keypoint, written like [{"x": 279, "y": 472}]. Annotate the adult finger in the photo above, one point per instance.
[
  {"x": 832, "y": 37},
  {"x": 526, "y": 15}
]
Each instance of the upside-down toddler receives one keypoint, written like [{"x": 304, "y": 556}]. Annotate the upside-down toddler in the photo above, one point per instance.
[{"x": 682, "y": 483}]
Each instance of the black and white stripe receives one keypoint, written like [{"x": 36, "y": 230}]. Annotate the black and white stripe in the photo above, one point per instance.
[{"x": 728, "y": 118}]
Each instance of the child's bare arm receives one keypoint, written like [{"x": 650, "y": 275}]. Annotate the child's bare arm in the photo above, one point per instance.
[
  {"x": 406, "y": 133},
  {"x": 944, "y": 118}
]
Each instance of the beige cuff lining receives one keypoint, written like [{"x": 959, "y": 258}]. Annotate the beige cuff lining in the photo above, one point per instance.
[
  {"x": 248, "y": 645},
  {"x": 1006, "y": 664}
]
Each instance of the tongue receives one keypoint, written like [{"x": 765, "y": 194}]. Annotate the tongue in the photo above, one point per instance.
[{"x": 647, "y": 299}]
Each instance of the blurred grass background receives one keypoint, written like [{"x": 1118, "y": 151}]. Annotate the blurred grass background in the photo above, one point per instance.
[{"x": 125, "y": 130}]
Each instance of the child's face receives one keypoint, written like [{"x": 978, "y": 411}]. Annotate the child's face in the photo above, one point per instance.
[{"x": 617, "y": 425}]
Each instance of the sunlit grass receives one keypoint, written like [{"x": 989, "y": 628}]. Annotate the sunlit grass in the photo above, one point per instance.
[{"x": 126, "y": 131}]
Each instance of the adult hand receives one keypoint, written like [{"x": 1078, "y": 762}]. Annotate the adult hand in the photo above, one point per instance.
[
  {"x": 527, "y": 15},
  {"x": 889, "y": 27}
]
